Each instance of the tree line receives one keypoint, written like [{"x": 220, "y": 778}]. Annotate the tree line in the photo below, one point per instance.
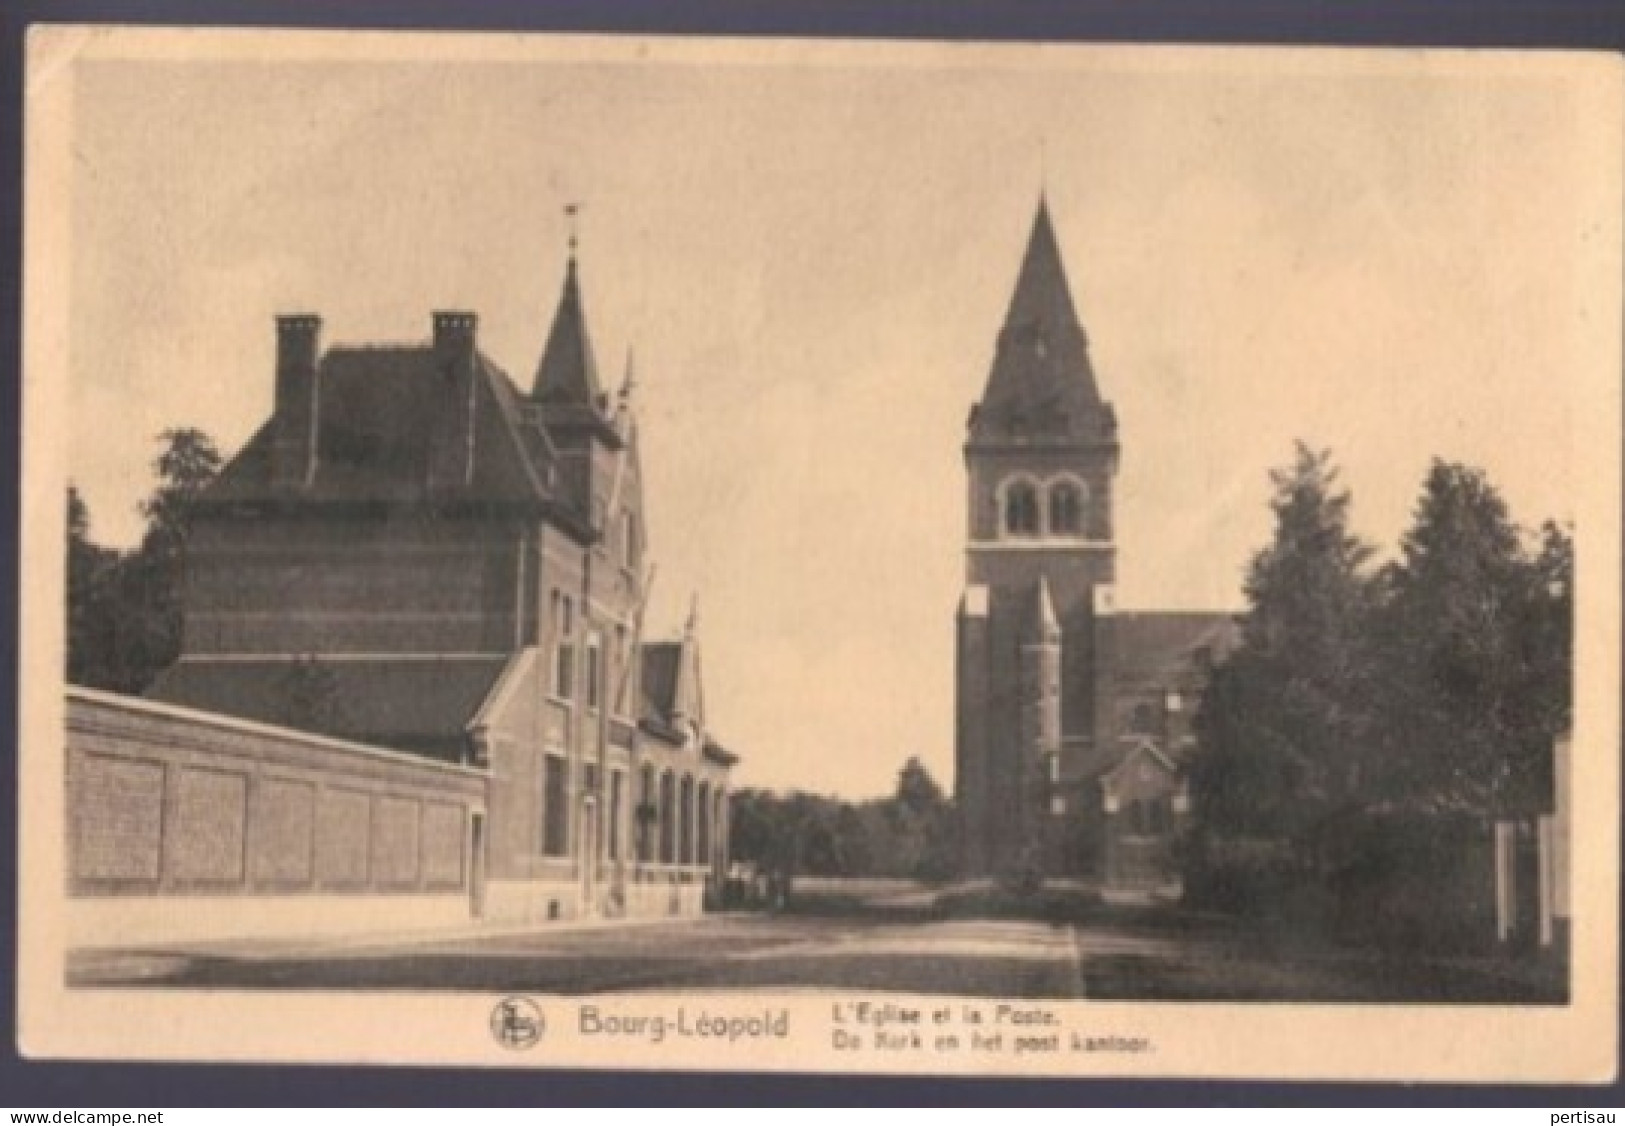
[
  {"x": 1430, "y": 686},
  {"x": 124, "y": 606},
  {"x": 909, "y": 834}
]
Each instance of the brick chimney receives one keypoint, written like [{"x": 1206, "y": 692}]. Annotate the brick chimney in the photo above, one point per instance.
[
  {"x": 451, "y": 451},
  {"x": 293, "y": 451}
]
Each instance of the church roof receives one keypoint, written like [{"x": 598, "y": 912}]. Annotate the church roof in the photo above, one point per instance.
[
  {"x": 376, "y": 413},
  {"x": 411, "y": 705},
  {"x": 1042, "y": 384},
  {"x": 1167, "y": 648}
]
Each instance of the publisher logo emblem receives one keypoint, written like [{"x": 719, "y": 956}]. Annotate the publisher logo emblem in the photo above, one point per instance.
[{"x": 517, "y": 1023}]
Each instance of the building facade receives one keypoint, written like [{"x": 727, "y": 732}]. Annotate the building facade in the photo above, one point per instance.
[
  {"x": 413, "y": 554},
  {"x": 1073, "y": 716}
]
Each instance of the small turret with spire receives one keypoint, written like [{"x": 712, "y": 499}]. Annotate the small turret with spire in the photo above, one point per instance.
[
  {"x": 567, "y": 376},
  {"x": 623, "y": 397}
]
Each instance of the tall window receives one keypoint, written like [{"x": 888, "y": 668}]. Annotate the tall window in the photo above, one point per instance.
[
  {"x": 622, "y": 688},
  {"x": 1021, "y": 509},
  {"x": 668, "y": 819},
  {"x": 595, "y": 672},
  {"x": 1148, "y": 817},
  {"x": 685, "y": 821},
  {"x": 564, "y": 670},
  {"x": 555, "y": 807},
  {"x": 1144, "y": 721},
  {"x": 703, "y": 802},
  {"x": 1065, "y": 509},
  {"x": 616, "y": 778},
  {"x": 648, "y": 814}
]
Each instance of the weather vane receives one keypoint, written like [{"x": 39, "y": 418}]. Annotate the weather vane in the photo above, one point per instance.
[{"x": 572, "y": 212}]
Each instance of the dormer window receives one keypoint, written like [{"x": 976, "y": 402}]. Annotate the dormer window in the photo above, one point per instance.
[
  {"x": 1021, "y": 509},
  {"x": 1065, "y": 509}
]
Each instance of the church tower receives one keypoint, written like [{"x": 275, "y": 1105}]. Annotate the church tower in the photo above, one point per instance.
[{"x": 1035, "y": 622}]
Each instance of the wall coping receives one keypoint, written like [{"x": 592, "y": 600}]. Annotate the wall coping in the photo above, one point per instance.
[{"x": 135, "y": 706}]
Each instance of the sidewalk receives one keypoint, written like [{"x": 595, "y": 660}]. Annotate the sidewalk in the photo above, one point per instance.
[{"x": 88, "y": 966}]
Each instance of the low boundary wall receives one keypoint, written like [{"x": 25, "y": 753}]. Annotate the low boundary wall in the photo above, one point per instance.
[{"x": 185, "y": 825}]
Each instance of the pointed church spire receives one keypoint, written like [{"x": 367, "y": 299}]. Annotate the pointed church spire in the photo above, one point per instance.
[
  {"x": 1042, "y": 384},
  {"x": 568, "y": 374},
  {"x": 1042, "y": 296},
  {"x": 692, "y": 626}
]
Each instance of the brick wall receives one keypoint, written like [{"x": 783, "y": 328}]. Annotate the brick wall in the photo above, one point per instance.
[
  {"x": 314, "y": 585},
  {"x": 165, "y": 801}
]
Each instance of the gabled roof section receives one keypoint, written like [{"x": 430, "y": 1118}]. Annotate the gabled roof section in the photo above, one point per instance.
[
  {"x": 376, "y": 416},
  {"x": 1042, "y": 384},
  {"x": 1140, "y": 746},
  {"x": 658, "y": 683},
  {"x": 568, "y": 374},
  {"x": 670, "y": 683}
]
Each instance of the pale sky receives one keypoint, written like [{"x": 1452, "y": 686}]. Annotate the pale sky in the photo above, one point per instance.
[{"x": 811, "y": 255}]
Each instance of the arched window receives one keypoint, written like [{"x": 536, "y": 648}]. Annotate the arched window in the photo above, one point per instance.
[
  {"x": 648, "y": 814},
  {"x": 1065, "y": 508},
  {"x": 1020, "y": 509},
  {"x": 685, "y": 822},
  {"x": 703, "y": 852},
  {"x": 1145, "y": 720},
  {"x": 719, "y": 822},
  {"x": 668, "y": 818}
]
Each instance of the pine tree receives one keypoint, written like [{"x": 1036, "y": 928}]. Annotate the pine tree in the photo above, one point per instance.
[
  {"x": 1284, "y": 722},
  {"x": 1475, "y": 639}
]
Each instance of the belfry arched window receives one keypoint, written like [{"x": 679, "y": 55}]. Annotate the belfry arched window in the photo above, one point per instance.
[
  {"x": 1020, "y": 509},
  {"x": 1065, "y": 508}
]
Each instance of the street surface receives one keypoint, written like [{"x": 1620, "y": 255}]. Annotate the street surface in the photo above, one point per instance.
[{"x": 897, "y": 944}]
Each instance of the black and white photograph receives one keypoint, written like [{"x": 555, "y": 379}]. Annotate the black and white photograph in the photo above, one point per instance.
[{"x": 988, "y": 559}]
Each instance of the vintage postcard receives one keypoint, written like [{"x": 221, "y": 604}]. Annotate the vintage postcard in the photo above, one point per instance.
[{"x": 821, "y": 556}]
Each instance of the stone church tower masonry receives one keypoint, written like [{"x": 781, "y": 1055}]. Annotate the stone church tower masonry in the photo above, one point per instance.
[
  {"x": 1073, "y": 717},
  {"x": 1041, "y": 457}
]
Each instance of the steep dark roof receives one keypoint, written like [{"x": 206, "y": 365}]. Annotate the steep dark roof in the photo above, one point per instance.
[
  {"x": 1042, "y": 385},
  {"x": 659, "y": 679},
  {"x": 375, "y": 417},
  {"x": 409, "y": 705},
  {"x": 670, "y": 686},
  {"x": 568, "y": 374},
  {"x": 1164, "y": 647}
]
